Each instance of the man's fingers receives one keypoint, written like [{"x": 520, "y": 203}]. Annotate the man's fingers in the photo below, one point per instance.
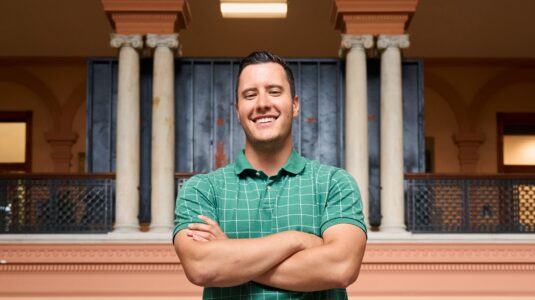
[
  {"x": 199, "y": 238},
  {"x": 208, "y": 220},
  {"x": 200, "y": 234},
  {"x": 201, "y": 227}
]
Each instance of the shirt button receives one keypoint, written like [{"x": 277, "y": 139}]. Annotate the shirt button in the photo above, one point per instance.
[
  {"x": 269, "y": 187},
  {"x": 257, "y": 173}
]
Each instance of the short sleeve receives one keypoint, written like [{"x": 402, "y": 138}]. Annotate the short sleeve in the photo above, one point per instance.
[
  {"x": 196, "y": 197},
  {"x": 344, "y": 204}
]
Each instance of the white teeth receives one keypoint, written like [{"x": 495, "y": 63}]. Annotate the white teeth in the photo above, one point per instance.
[{"x": 265, "y": 120}]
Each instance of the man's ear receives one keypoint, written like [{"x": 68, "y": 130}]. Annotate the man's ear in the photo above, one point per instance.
[
  {"x": 236, "y": 109},
  {"x": 295, "y": 106}
]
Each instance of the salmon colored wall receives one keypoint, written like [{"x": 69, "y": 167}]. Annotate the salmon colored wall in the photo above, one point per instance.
[
  {"x": 54, "y": 89},
  {"x": 390, "y": 270},
  {"x": 463, "y": 97}
]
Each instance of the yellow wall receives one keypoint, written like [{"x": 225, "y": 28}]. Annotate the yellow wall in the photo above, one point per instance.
[
  {"x": 55, "y": 91},
  {"x": 464, "y": 96}
]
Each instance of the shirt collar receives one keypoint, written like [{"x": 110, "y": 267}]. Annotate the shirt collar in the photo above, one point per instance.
[{"x": 294, "y": 165}]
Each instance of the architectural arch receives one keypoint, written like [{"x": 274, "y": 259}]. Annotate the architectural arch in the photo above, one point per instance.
[
  {"x": 493, "y": 86},
  {"x": 34, "y": 84},
  {"x": 71, "y": 106},
  {"x": 452, "y": 96}
]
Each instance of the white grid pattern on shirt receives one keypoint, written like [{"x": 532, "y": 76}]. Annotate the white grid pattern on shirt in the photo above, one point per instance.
[{"x": 245, "y": 207}]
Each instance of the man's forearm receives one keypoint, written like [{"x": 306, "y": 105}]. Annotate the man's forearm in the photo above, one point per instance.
[
  {"x": 332, "y": 265},
  {"x": 231, "y": 262}
]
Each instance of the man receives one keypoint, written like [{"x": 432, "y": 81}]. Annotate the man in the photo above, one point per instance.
[{"x": 271, "y": 225}]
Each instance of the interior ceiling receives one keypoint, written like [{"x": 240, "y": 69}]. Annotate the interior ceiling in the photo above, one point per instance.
[{"x": 439, "y": 29}]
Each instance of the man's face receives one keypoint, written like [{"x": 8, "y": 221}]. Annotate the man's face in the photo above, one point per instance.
[{"x": 265, "y": 106}]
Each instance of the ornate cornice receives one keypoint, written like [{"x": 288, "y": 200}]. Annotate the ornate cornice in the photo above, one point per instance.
[
  {"x": 393, "y": 41},
  {"x": 147, "y": 16},
  {"x": 372, "y": 16},
  {"x": 162, "y": 40},
  {"x": 126, "y": 40}
]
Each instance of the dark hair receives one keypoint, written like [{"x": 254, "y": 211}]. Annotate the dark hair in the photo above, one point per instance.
[{"x": 261, "y": 57}]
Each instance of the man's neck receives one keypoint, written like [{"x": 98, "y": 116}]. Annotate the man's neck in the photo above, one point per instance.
[{"x": 269, "y": 160}]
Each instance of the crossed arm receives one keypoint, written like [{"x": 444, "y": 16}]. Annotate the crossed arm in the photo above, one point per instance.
[{"x": 290, "y": 260}]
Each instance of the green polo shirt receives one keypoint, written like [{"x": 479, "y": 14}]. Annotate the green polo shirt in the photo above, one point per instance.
[{"x": 304, "y": 195}]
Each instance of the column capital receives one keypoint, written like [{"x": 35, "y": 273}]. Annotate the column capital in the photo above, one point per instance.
[
  {"x": 393, "y": 41},
  {"x": 126, "y": 40},
  {"x": 356, "y": 41},
  {"x": 162, "y": 40}
]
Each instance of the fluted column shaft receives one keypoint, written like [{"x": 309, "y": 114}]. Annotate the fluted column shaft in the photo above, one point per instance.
[
  {"x": 163, "y": 132},
  {"x": 356, "y": 113},
  {"x": 128, "y": 134},
  {"x": 392, "y": 196}
]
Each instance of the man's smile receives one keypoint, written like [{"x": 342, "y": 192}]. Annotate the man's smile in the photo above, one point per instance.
[{"x": 264, "y": 119}]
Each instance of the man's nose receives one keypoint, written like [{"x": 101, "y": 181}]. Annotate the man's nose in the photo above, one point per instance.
[{"x": 263, "y": 101}]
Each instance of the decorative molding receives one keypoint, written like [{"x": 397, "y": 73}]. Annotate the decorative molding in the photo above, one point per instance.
[
  {"x": 25, "y": 253},
  {"x": 162, "y": 40},
  {"x": 177, "y": 267},
  {"x": 93, "y": 268},
  {"x": 147, "y": 16},
  {"x": 370, "y": 6},
  {"x": 450, "y": 253},
  {"x": 372, "y": 16},
  {"x": 393, "y": 41},
  {"x": 88, "y": 253},
  {"x": 126, "y": 40},
  {"x": 415, "y": 267}
]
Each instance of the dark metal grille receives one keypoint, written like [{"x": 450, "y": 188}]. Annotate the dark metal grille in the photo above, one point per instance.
[
  {"x": 73, "y": 203},
  {"x": 470, "y": 204}
]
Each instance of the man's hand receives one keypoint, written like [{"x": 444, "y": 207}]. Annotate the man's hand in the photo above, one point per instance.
[
  {"x": 206, "y": 232},
  {"x": 211, "y": 231}
]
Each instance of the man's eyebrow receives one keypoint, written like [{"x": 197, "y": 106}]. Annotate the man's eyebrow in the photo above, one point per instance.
[
  {"x": 248, "y": 90},
  {"x": 270, "y": 86}
]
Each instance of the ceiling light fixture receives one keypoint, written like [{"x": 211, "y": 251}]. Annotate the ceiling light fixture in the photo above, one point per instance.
[{"x": 254, "y": 8}]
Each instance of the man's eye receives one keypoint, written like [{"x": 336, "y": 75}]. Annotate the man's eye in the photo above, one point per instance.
[
  {"x": 275, "y": 92},
  {"x": 249, "y": 95}
]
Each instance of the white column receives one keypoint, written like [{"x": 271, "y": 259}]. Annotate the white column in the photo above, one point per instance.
[
  {"x": 356, "y": 114},
  {"x": 392, "y": 196},
  {"x": 128, "y": 126},
  {"x": 163, "y": 132}
]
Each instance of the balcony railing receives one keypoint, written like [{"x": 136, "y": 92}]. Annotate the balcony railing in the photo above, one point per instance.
[
  {"x": 56, "y": 203},
  {"x": 470, "y": 203},
  {"x": 85, "y": 203},
  {"x": 59, "y": 203}
]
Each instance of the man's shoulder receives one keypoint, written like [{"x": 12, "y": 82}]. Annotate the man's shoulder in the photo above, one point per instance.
[
  {"x": 213, "y": 178},
  {"x": 323, "y": 169}
]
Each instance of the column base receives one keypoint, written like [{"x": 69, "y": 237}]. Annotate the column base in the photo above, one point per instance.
[
  {"x": 393, "y": 228},
  {"x": 161, "y": 229},
  {"x": 126, "y": 229}
]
